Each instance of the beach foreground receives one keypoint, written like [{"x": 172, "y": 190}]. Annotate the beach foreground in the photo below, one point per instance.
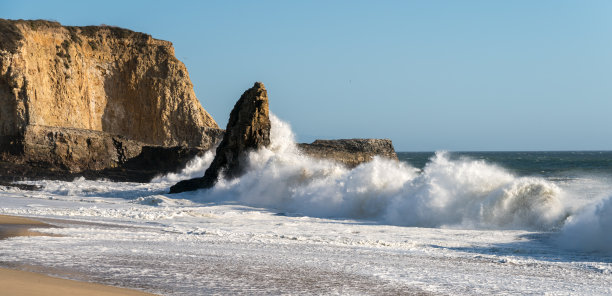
[
  {"x": 24, "y": 283},
  {"x": 294, "y": 225}
]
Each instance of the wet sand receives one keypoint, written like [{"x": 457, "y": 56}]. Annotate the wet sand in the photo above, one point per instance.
[
  {"x": 17, "y": 226},
  {"x": 23, "y": 283}
]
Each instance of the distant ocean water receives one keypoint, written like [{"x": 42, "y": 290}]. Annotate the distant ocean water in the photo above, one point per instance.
[{"x": 553, "y": 164}]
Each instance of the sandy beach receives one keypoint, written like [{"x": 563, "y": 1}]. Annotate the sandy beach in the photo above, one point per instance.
[
  {"x": 17, "y": 226},
  {"x": 23, "y": 283}
]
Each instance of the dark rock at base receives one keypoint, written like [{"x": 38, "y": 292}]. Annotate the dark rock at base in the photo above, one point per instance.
[
  {"x": 350, "y": 152},
  {"x": 152, "y": 161},
  {"x": 248, "y": 129},
  {"x": 163, "y": 159},
  {"x": 27, "y": 187},
  {"x": 59, "y": 153},
  {"x": 74, "y": 150},
  {"x": 191, "y": 185}
]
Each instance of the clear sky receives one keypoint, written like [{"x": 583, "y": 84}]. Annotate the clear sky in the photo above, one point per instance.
[{"x": 430, "y": 75}]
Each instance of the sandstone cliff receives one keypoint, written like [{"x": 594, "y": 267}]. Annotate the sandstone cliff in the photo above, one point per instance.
[
  {"x": 248, "y": 129},
  {"x": 91, "y": 97}
]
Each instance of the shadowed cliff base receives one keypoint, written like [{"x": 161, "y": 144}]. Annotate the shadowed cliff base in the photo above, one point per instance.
[{"x": 151, "y": 162}]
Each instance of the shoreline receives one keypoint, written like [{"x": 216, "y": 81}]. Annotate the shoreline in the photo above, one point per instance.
[
  {"x": 11, "y": 226},
  {"x": 26, "y": 283}
]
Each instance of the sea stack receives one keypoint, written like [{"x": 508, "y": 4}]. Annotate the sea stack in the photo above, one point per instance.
[
  {"x": 89, "y": 98},
  {"x": 350, "y": 152},
  {"x": 248, "y": 129}
]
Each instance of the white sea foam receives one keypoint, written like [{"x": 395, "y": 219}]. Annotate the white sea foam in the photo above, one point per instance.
[
  {"x": 446, "y": 193},
  {"x": 476, "y": 194},
  {"x": 81, "y": 187},
  {"x": 195, "y": 168},
  {"x": 590, "y": 230},
  {"x": 137, "y": 235}
]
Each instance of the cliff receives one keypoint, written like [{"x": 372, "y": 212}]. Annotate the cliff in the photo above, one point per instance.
[
  {"x": 89, "y": 98},
  {"x": 350, "y": 152}
]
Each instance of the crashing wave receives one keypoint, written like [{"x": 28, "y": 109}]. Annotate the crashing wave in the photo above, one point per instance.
[
  {"x": 446, "y": 192},
  {"x": 590, "y": 230}
]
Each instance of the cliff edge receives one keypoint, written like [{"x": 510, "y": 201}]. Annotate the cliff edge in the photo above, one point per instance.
[{"x": 89, "y": 98}]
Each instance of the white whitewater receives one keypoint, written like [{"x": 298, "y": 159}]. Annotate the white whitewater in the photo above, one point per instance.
[
  {"x": 298, "y": 225},
  {"x": 464, "y": 193}
]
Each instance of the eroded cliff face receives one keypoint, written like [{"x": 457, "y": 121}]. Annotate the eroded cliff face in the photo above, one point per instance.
[
  {"x": 97, "y": 78},
  {"x": 72, "y": 97}
]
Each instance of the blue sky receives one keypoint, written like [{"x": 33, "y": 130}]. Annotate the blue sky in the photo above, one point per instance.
[{"x": 430, "y": 75}]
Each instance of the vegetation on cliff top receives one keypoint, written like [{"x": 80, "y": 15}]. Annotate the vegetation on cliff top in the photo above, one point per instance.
[{"x": 10, "y": 35}]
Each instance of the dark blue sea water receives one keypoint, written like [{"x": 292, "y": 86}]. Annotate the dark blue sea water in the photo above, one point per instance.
[{"x": 550, "y": 165}]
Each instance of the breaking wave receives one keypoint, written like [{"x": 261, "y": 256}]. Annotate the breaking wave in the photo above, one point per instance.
[
  {"x": 590, "y": 230},
  {"x": 464, "y": 193}
]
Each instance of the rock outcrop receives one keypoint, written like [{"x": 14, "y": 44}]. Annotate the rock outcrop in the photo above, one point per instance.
[
  {"x": 152, "y": 161},
  {"x": 350, "y": 152},
  {"x": 89, "y": 98},
  {"x": 248, "y": 129}
]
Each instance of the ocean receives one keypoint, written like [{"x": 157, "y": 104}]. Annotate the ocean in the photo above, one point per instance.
[
  {"x": 434, "y": 223},
  {"x": 548, "y": 164}
]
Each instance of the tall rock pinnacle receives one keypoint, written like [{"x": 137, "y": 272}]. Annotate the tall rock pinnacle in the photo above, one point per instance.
[{"x": 248, "y": 129}]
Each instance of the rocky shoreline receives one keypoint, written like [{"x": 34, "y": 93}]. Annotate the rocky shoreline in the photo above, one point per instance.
[
  {"x": 106, "y": 102},
  {"x": 151, "y": 162}
]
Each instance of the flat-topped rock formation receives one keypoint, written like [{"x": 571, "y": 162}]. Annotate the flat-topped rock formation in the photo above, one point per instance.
[
  {"x": 248, "y": 129},
  {"x": 350, "y": 152},
  {"x": 89, "y": 98}
]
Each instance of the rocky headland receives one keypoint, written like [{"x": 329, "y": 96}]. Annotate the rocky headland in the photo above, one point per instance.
[
  {"x": 90, "y": 99},
  {"x": 107, "y": 102}
]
